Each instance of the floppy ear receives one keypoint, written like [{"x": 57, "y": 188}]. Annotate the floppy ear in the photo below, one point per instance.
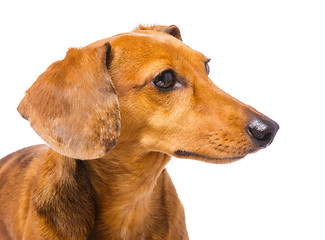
[
  {"x": 73, "y": 105},
  {"x": 172, "y": 30}
]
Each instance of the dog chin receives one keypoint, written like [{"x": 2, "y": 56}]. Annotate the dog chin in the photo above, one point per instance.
[{"x": 208, "y": 159}]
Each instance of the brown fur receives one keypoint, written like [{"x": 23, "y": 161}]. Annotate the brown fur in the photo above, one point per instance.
[{"x": 100, "y": 96}]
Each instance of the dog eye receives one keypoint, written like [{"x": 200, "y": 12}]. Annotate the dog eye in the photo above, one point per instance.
[
  {"x": 165, "y": 81},
  {"x": 207, "y": 67}
]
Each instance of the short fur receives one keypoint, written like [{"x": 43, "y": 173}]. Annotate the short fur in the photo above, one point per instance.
[{"x": 100, "y": 104}]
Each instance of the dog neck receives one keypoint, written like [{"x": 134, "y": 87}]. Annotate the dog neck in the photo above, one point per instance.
[
  {"x": 127, "y": 190},
  {"x": 120, "y": 195}
]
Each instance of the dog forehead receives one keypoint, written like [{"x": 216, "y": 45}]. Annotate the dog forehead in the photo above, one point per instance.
[
  {"x": 146, "y": 44},
  {"x": 143, "y": 35}
]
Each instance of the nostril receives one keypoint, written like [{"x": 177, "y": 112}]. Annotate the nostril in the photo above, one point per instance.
[
  {"x": 266, "y": 137},
  {"x": 263, "y": 131},
  {"x": 259, "y": 135}
]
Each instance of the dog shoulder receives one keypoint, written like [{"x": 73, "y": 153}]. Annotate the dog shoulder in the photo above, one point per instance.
[
  {"x": 22, "y": 158},
  {"x": 17, "y": 174}
]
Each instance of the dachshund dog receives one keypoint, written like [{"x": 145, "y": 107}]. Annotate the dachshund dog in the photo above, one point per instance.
[{"x": 113, "y": 113}]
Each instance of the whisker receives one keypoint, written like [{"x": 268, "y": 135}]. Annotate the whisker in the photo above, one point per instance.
[
  {"x": 197, "y": 139},
  {"x": 138, "y": 145},
  {"x": 220, "y": 151},
  {"x": 208, "y": 143}
]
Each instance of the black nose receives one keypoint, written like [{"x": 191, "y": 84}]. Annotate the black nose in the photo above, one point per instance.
[{"x": 263, "y": 131}]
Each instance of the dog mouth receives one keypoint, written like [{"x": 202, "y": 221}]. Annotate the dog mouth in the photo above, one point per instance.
[{"x": 186, "y": 154}]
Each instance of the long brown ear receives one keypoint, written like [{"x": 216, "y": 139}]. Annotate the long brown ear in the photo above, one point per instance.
[
  {"x": 73, "y": 105},
  {"x": 172, "y": 30}
]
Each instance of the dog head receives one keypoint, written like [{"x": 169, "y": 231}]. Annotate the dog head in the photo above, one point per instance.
[{"x": 160, "y": 88}]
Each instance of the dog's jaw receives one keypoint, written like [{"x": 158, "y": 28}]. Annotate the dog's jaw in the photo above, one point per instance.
[{"x": 201, "y": 157}]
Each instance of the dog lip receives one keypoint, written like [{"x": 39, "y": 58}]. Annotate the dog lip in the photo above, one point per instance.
[{"x": 182, "y": 153}]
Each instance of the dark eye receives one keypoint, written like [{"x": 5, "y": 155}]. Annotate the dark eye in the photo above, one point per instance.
[
  {"x": 164, "y": 81},
  {"x": 207, "y": 67}
]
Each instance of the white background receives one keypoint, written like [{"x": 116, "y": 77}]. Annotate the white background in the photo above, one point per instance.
[{"x": 269, "y": 54}]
